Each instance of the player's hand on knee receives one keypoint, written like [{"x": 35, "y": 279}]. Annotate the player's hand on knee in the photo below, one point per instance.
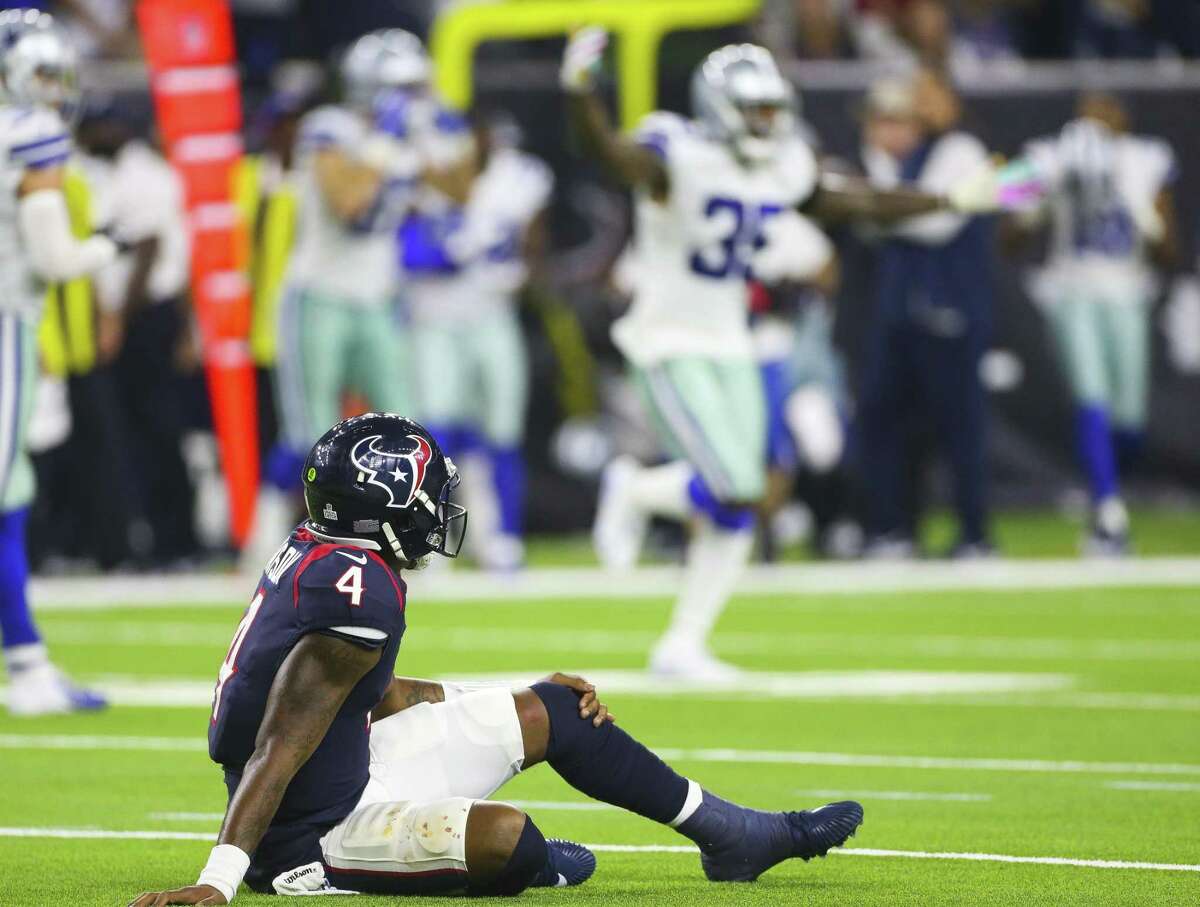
[
  {"x": 590, "y": 705},
  {"x": 193, "y": 894}
]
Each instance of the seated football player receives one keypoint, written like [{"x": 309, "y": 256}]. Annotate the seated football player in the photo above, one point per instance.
[{"x": 337, "y": 784}]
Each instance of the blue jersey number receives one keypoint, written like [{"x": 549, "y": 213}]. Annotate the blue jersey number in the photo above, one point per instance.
[
  {"x": 742, "y": 236},
  {"x": 1112, "y": 233}
]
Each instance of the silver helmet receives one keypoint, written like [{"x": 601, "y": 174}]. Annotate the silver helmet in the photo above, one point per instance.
[
  {"x": 38, "y": 64},
  {"x": 384, "y": 60},
  {"x": 742, "y": 98}
]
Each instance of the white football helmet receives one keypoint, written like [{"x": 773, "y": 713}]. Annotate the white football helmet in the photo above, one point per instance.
[
  {"x": 384, "y": 60},
  {"x": 38, "y": 64},
  {"x": 741, "y": 97}
]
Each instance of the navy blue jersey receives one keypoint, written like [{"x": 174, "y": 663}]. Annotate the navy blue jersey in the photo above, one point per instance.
[{"x": 308, "y": 587}]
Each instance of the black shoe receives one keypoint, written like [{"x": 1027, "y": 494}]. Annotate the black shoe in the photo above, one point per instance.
[
  {"x": 753, "y": 841},
  {"x": 569, "y": 864}
]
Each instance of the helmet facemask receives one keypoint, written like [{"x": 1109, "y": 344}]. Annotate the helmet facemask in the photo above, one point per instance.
[
  {"x": 742, "y": 97},
  {"x": 40, "y": 66}
]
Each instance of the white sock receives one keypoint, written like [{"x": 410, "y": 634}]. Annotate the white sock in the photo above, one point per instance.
[
  {"x": 663, "y": 490},
  {"x": 30, "y": 655},
  {"x": 716, "y": 559},
  {"x": 691, "y": 803}
]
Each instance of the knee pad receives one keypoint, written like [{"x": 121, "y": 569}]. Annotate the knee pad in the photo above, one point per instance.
[
  {"x": 400, "y": 838},
  {"x": 723, "y": 515}
]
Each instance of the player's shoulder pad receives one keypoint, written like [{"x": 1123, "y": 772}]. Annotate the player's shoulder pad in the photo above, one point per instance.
[
  {"x": 328, "y": 127},
  {"x": 662, "y": 132},
  {"x": 343, "y": 586},
  {"x": 35, "y": 137},
  {"x": 1159, "y": 157},
  {"x": 799, "y": 167},
  {"x": 525, "y": 175}
]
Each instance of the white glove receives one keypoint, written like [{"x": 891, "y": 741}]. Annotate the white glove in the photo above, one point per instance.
[
  {"x": 390, "y": 157},
  {"x": 978, "y": 193},
  {"x": 583, "y": 59}
]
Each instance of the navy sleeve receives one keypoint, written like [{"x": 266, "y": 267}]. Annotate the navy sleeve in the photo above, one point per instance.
[{"x": 348, "y": 588}]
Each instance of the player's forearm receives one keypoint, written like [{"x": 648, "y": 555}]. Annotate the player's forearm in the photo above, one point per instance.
[
  {"x": 631, "y": 165},
  {"x": 848, "y": 200},
  {"x": 265, "y": 779},
  {"x": 54, "y": 251},
  {"x": 405, "y": 692}
]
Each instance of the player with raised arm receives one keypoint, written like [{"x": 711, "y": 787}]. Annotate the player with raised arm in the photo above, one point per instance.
[
  {"x": 37, "y": 246},
  {"x": 338, "y": 328},
  {"x": 706, "y": 191},
  {"x": 344, "y": 777},
  {"x": 1109, "y": 210}
]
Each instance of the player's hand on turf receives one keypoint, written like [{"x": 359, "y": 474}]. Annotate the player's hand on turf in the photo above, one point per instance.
[
  {"x": 590, "y": 705},
  {"x": 583, "y": 60},
  {"x": 193, "y": 894}
]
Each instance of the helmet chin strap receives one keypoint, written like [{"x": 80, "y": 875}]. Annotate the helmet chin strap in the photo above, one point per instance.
[
  {"x": 348, "y": 541},
  {"x": 390, "y": 534}
]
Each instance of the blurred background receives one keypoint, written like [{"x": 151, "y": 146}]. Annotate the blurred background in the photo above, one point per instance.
[{"x": 157, "y": 415}]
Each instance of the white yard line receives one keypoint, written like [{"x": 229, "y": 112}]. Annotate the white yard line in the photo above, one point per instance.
[
  {"x": 1178, "y": 786},
  {"x": 99, "y": 834},
  {"x": 158, "y": 692},
  {"x": 861, "y": 760},
  {"x": 108, "y": 632},
  {"x": 897, "y": 795},
  {"x": 763, "y": 757},
  {"x": 571, "y": 584}
]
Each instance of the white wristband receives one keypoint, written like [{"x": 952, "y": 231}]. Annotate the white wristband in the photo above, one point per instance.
[{"x": 225, "y": 870}]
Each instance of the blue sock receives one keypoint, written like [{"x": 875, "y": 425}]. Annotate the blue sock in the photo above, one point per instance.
[
  {"x": 508, "y": 480},
  {"x": 1096, "y": 450},
  {"x": 16, "y": 623},
  {"x": 1130, "y": 442},
  {"x": 606, "y": 763},
  {"x": 282, "y": 468},
  {"x": 724, "y": 516}
]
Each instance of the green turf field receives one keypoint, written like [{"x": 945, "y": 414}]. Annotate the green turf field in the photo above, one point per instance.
[{"x": 1073, "y": 731}]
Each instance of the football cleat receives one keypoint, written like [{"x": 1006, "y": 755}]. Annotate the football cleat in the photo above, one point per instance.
[
  {"x": 685, "y": 661},
  {"x": 569, "y": 864},
  {"x": 748, "y": 842},
  {"x": 44, "y": 690},
  {"x": 620, "y": 524}
]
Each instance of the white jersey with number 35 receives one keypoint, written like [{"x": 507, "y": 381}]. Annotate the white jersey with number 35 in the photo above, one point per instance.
[
  {"x": 31, "y": 138},
  {"x": 693, "y": 249}
]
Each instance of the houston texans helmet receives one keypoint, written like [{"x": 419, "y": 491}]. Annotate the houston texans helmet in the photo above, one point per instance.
[{"x": 380, "y": 481}]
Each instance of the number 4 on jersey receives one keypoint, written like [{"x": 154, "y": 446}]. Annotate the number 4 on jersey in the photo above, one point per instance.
[{"x": 351, "y": 583}]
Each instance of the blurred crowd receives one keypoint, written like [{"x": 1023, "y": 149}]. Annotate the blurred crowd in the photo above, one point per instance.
[
  {"x": 842, "y": 434},
  {"x": 960, "y": 33}
]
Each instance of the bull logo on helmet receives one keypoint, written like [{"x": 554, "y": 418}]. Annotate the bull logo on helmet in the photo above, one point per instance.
[{"x": 399, "y": 473}]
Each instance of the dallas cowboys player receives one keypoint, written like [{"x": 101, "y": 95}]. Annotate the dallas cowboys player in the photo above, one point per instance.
[
  {"x": 464, "y": 265},
  {"x": 1109, "y": 210},
  {"x": 36, "y": 246},
  {"x": 705, "y": 192},
  {"x": 343, "y": 776},
  {"x": 338, "y": 329}
]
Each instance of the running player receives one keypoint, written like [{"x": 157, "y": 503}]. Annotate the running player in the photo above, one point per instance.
[
  {"x": 705, "y": 192},
  {"x": 1110, "y": 214},
  {"x": 37, "y": 246},
  {"x": 338, "y": 329},
  {"x": 464, "y": 266}
]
